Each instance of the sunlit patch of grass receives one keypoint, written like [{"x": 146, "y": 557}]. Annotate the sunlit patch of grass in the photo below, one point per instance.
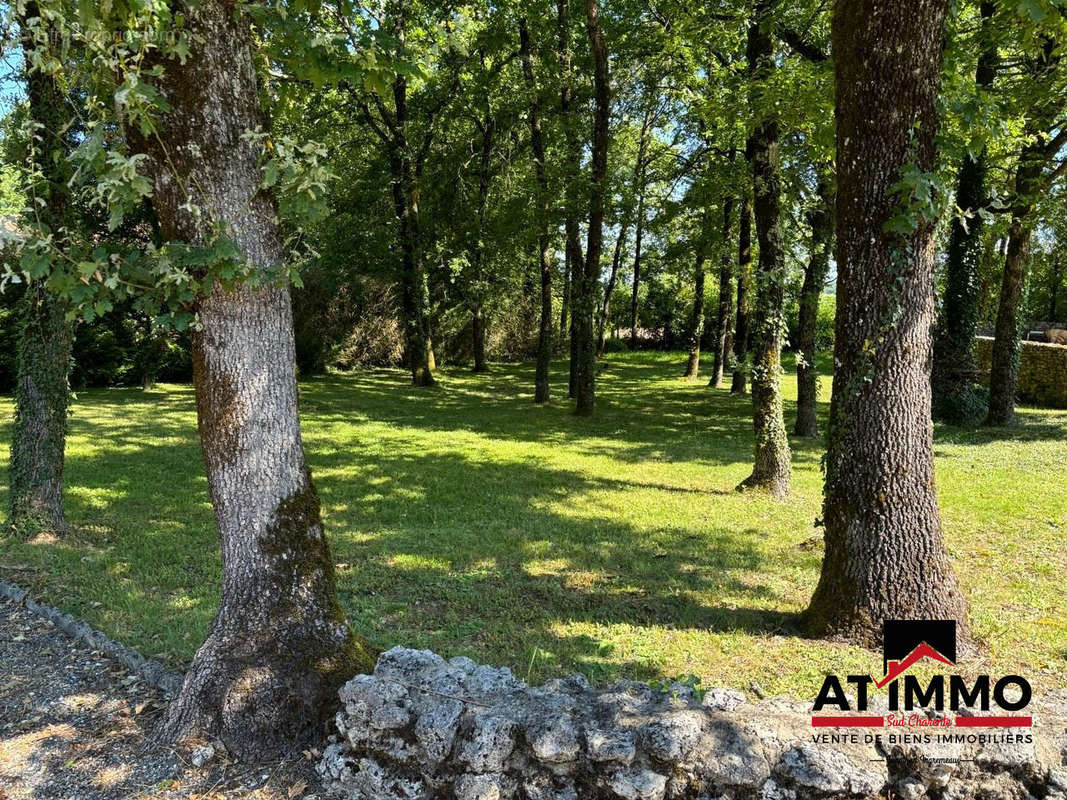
[{"x": 468, "y": 520}]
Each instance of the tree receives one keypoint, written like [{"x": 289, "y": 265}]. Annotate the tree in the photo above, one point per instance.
[
  {"x": 956, "y": 398},
  {"x": 742, "y": 333},
  {"x": 695, "y": 330},
  {"x": 884, "y": 550},
  {"x": 45, "y": 336},
  {"x": 267, "y": 674},
  {"x": 584, "y": 354},
  {"x": 545, "y": 330},
  {"x": 821, "y": 223},
  {"x": 724, "y": 316},
  {"x": 572, "y": 157},
  {"x": 771, "y": 469}
]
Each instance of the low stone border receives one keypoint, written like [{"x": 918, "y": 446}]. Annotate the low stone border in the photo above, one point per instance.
[
  {"x": 422, "y": 728},
  {"x": 150, "y": 671}
]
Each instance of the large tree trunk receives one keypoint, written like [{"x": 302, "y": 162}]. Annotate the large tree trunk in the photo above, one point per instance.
[
  {"x": 821, "y": 221},
  {"x": 267, "y": 675},
  {"x": 43, "y": 355},
  {"x": 585, "y": 300},
  {"x": 771, "y": 469},
  {"x": 1004, "y": 371},
  {"x": 885, "y": 555},
  {"x": 40, "y": 425},
  {"x": 744, "y": 279},
  {"x": 724, "y": 313},
  {"x": 537, "y": 142},
  {"x": 956, "y": 396}
]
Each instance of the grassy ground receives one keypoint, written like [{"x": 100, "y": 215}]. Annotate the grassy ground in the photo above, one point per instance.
[{"x": 468, "y": 520}]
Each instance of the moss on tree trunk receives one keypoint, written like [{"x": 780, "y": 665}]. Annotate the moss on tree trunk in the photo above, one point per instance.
[{"x": 266, "y": 677}]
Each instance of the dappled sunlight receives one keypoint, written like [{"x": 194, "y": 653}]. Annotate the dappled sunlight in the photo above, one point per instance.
[{"x": 466, "y": 519}]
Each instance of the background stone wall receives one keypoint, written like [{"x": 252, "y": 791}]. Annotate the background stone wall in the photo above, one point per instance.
[
  {"x": 1042, "y": 371},
  {"x": 421, "y": 728}
]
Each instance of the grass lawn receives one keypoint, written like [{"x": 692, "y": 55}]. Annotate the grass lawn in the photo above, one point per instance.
[{"x": 467, "y": 520}]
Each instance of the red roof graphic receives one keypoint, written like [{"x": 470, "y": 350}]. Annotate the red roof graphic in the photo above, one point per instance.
[{"x": 898, "y": 668}]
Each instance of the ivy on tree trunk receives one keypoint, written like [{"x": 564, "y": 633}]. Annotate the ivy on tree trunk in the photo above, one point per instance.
[
  {"x": 771, "y": 469},
  {"x": 884, "y": 549},
  {"x": 42, "y": 394},
  {"x": 956, "y": 396}
]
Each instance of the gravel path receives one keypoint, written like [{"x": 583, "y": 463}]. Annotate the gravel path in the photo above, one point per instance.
[{"x": 75, "y": 725}]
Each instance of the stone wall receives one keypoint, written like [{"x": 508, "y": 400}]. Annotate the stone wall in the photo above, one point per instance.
[
  {"x": 421, "y": 727},
  {"x": 1042, "y": 371}
]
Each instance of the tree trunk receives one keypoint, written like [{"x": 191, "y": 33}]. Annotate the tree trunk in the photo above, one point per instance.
[
  {"x": 478, "y": 312},
  {"x": 821, "y": 221},
  {"x": 696, "y": 319},
  {"x": 537, "y": 143},
  {"x": 885, "y": 555},
  {"x": 40, "y": 425},
  {"x": 724, "y": 313},
  {"x": 42, "y": 394},
  {"x": 696, "y": 316},
  {"x": 1004, "y": 371},
  {"x": 478, "y": 339},
  {"x": 572, "y": 167},
  {"x": 585, "y": 300},
  {"x": 744, "y": 278},
  {"x": 415, "y": 292},
  {"x": 565, "y": 299},
  {"x": 638, "y": 241},
  {"x": 956, "y": 396},
  {"x": 771, "y": 469},
  {"x": 1055, "y": 280},
  {"x": 266, "y": 677},
  {"x": 609, "y": 290}
]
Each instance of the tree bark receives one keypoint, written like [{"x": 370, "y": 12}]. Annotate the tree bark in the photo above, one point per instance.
[
  {"x": 635, "y": 299},
  {"x": 744, "y": 278},
  {"x": 956, "y": 397},
  {"x": 572, "y": 168},
  {"x": 821, "y": 221},
  {"x": 42, "y": 394},
  {"x": 542, "y": 390},
  {"x": 1054, "y": 282},
  {"x": 585, "y": 300},
  {"x": 478, "y": 322},
  {"x": 609, "y": 290},
  {"x": 1004, "y": 371},
  {"x": 724, "y": 313},
  {"x": 695, "y": 331},
  {"x": 885, "y": 555},
  {"x": 771, "y": 469},
  {"x": 267, "y": 675},
  {"x": 415, "y": 292}
]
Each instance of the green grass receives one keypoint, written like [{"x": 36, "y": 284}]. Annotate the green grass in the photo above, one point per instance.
[{"x": 467, "y": 520}]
